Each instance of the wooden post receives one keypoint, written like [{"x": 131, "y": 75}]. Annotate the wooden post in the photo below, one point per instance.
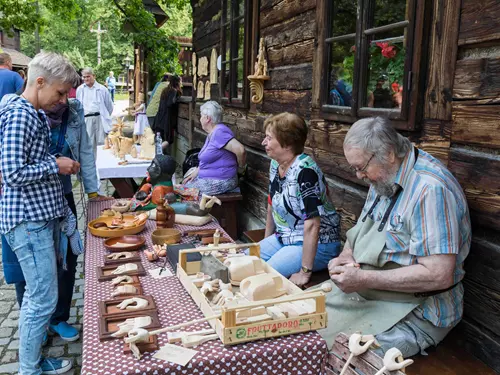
[
  {"x": 229, "y": 318},
  {"x": 255, "y": 250}
]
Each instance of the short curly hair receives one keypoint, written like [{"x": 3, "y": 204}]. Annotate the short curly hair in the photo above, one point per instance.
[{"x": 289, "y": 129}]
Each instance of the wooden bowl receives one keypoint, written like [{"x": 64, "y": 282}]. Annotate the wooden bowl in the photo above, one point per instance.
[
  {"x": 166, "y": 236},
  {"x": 133, "y": 242},
  {"x": 108, "y": 233}
]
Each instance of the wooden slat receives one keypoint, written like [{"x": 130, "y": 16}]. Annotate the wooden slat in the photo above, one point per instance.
[
  {"x": 479, "y": 21},
  {"x": 277, "y": 101},
  {"x": 476, "y": 124},
  {"x": 284, "y": 10},
  {"x": 198, "y": 138},
  {"x": 439, "y": 147},
  {"x": 204, "y": 45},
  {"x": 290, "y": 31},
  {"x": 250, "y": 138},
  {"x": 205, "y": 10},
  {"x": 296, "y": 53},
  {"x": 319, "y": 57},
  {"x": 442, "y": 59},
  {"x": 183, "y": 127},
  {"x": 477, "y": 79},
  {"x": 298, "y": 77},
  {"x": 258, "y": 168}
]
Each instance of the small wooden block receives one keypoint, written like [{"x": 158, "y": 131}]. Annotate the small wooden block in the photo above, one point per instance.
[
  {"x": 108, "y": 308},
  {"x": 200, "y": 233},
  {"x": 209, "y": 240},
  {"x": 136, "y": 258},
  {"x": 149, "y": 346},
  {"x": 109, "y": 324},
  {"x": 104, "y": 273}
]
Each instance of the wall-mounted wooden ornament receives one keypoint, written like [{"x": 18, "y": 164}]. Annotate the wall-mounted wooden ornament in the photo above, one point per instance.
[
  {"x": 207, "y": 90},
  {"x": 213, "y": 67},
  {"x": 195, "y": 77},
  {"x": 260, "y": 75},
  {"x": 200, "y": 92},
  {"x": 203, "y": 66}
]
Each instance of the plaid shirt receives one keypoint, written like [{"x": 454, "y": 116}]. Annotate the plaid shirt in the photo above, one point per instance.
[
  {"x": 31, "y": 189},
  {"x": 430, "y": 217}
]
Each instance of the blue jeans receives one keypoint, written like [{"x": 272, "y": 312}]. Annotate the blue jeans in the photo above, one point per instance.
[
  {"x": 112, "y": 93},
  {"x": 287, "y": 259},
  {"x": 33, "y": 244}
]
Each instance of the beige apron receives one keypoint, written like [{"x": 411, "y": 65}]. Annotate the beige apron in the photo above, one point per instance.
[{"x": 369, "y": 311}]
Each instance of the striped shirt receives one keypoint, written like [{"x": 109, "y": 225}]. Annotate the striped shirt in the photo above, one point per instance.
[
  {"x": 31, "y": 189},
  {"x": 430, "y": 217}
]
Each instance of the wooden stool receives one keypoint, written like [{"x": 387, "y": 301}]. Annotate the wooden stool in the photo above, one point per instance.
[{"x": 226, "y": 213}]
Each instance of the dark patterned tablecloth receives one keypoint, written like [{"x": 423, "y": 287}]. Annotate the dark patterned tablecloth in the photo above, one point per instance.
[{"x": 295, "y": 354}]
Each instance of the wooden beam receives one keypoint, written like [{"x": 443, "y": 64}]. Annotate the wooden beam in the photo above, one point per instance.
[
  {"x": 479, "y": 21},
  {"x": 477, "y": 79},
  {"x": 442, "y": 59},
  {"x": 296, "y": 53},
  {"x": 476, "y": 124},
  {"x": 284, "y": 10},
  {"x": 296, "y": 77}
]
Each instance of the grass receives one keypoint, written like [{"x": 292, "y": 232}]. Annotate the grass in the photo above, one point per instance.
[{"x": 121, "y": 96}]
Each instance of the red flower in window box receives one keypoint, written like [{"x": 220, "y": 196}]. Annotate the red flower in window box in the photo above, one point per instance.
[
  {"x": 387, "y": 51},
  {"x": 395, "y": 87}
]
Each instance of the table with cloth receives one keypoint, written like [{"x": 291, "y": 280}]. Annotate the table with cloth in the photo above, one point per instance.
[{"x": 296, "y": 354}]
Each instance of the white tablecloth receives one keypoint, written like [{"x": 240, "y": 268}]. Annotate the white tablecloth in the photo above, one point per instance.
[{"x": 108, "y": 167}]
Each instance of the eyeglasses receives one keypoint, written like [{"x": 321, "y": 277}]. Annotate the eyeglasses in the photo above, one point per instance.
[{"x": 362, "y": 170}]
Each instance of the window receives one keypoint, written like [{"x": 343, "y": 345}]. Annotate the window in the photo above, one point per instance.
[
  {"x": 234, "y": 42},
  {"x": 370, "y": 58}
]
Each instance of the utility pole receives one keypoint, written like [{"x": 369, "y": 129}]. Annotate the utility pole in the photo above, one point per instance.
[{"x": 99, "y": 32}]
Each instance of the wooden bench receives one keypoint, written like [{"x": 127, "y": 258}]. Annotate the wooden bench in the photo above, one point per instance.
[
  {"x": 226, "y": 214},
  {"x": 448, "y": 358}
]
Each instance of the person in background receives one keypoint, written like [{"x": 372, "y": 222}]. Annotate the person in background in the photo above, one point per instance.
[
  {"x": 97, "y": 106},
  {"x": 32, "y": 201},
  {"x": 221, "y": 157},
  {"x": 22, "y": 73},
  {"x": 141, "y": 121},
  {"x": 165, "y": 121},
  {"x": 10, "y": 82},
  {"x": 154, "y": 100},
  {"x": 69, "y": 138},
  {"x": 111, "y": 85},
  {"x": 302, "y": 227}
]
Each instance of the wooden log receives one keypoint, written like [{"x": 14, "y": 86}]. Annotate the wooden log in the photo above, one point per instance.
[
  {"x": 480, "y": 342},
  {"x": 205, "y": 10},
  {"x": 255, "y": 199},
  {"x": 442, "y": 59},
  {"x": 482, "y": 305},
  {"x": 436, "y": 128},
  {"x": 203, "y": 46},
  {"x": 277, "y": 101},
  {"x": 319, "y": 58},
  {"x": 476, "y": 124},
  {"x": 258, "y": 168},
  {"x": 477, "y": 78},
  {"x": 438, "y": 147},
  {"x": 300, "y": 52},
  {"x": 291, "y": 31},
  {"x": 482, "y": 265},
  {"x": 199, "y": 138},
  {"x": 207, "y": 27},
  {"x": 250, "y": 138},
  {"x": 298, "y": 77},
  {"x": 285, "y": 10},
  {"x": 327, "y": 135},
  {"x": 479, "y": 21},
  {"x": 348, "y": 201}
]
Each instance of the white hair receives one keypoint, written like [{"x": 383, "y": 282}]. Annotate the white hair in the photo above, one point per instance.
[
  {"x": 377, "y": 136},
  {"x": 213, "y": 110},
  {"x": 88, "y": 70},
  {"x": 53, "y": 67}
]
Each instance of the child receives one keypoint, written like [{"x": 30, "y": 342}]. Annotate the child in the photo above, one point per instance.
[{"x": 141, "y": 120}]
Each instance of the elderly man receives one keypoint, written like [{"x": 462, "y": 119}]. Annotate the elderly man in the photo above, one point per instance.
[
  {"x": 403, "y": 261},
  {"x": 97, "y": 106},
  {"x": 32, "y": 201},
  {"x": 10, "y": 82}
]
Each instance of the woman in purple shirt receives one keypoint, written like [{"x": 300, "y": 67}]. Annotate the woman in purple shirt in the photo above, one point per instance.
[{"x": 220, "y": 157}]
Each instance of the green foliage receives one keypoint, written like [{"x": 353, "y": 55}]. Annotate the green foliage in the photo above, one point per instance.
[{"x": 391, "y": 67}]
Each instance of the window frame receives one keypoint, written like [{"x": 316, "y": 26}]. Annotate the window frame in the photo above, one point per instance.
[
  {"x": 404, "y": 118},
  {"x": 233, "y": 24}
]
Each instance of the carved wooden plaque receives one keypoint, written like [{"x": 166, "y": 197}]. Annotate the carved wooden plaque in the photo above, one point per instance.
[
  {"x": 207, "y": 90},
  {"x": 213, "y": 67},
  {"x": 200, "y": 92},
  {"x": 203, "y": 66}
]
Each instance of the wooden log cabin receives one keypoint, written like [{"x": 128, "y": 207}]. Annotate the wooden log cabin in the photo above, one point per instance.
[{"x": 433, "y": 66}]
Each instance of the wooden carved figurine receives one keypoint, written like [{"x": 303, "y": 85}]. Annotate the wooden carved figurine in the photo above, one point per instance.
[
  {"x": 125, "y": 146},
  {"x": 165, "y": 215},
  {"x": 148, "y": 150},
  {"x": 203, "y": 66},
  {"x": 207, "y": 90},
  {"x": 200, "y": 92},
  {"x": 213, "y": 67},
  {"x": 260, "y": 74}
]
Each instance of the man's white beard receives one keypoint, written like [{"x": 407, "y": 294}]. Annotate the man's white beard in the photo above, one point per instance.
[{"x": 385, "y": 188}]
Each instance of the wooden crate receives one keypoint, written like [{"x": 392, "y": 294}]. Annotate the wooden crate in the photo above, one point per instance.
[{"x": 231, "y": 333}]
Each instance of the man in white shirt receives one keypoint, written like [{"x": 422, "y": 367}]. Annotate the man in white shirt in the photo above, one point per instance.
[{"x": 97, "y": 106}]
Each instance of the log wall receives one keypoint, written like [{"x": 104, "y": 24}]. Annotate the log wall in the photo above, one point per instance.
[{"x": 458, "y": 122}]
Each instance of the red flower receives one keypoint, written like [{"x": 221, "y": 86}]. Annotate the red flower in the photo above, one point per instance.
[
  {"x": 395, "y": 87},
  {"x": 353, "y": 49},
  {"x": 387, "y": 51}
]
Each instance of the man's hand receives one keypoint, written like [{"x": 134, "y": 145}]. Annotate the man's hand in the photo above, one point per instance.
[
  {"x": 348, "y": 278},
  {"x": 67, "y": 166},
  {"x": 300, "y": 278},
  {"x": 341, "y": 260}
]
